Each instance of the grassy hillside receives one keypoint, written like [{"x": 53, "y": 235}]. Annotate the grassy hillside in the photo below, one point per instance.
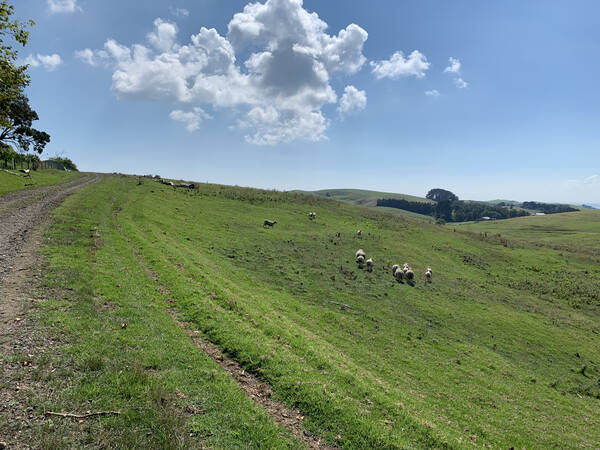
[
  {"x": 12, "y": 180},
  {"x": 368, "y": 199},
  {"x": 501, "y": 350},
  {"x": 578, "y": 231}
]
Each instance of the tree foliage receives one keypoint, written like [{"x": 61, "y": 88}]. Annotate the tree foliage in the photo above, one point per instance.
[
  {"x": 66, "y": 163},
  {"x": 16, "y": 116},
  {"x": 13, "y": 78},
  {"x": 19, "y": 130},
  {"x": 449, "y": 208},
  {"x": 548, "y": 208}
]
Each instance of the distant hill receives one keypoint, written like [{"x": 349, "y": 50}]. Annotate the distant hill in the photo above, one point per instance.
[{"x": 369, "y": 199}]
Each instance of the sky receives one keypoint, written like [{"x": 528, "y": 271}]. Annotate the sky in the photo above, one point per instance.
[{"x": 491, "y": 100}]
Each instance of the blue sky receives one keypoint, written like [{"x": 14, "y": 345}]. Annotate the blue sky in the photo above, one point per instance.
[{"x": 270, "y": 95}]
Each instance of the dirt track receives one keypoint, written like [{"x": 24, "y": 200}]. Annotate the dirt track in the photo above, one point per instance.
[
  {"x": 22, "y": 212},
  {"x": 21, "y": 215}
]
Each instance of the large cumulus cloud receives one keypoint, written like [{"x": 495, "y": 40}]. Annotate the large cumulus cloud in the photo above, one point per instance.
[{"x": 279, "y": 87}]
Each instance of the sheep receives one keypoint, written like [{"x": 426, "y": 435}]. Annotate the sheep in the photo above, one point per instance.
[
  {"x": 360, "y": 252},
  {"x": 394, "y": 267},
  {"x": 269, "y": 223},
  {"x": 399, "y": 275},
  {"x": 312, "y": 215},
  {"x": 428, "y": 275},
  {"x": 360, "y": 259},
  {"x": 370, "y": 264},
  {"x": 359, "y": 233},
  {"x": 409, "y": 275}
]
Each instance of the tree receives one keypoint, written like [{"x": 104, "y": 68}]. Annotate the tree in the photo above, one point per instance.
[
  {"x": 16, "y": 116},
  {"x": 441, "y": 195},
  {"x": 18, "y": 130},
  {"x": 13, "y": 78},
  {"x": 66, "y": 163}
]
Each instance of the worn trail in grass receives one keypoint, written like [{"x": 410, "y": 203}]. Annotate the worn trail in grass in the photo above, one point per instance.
[{"x": 501, "y": 350}]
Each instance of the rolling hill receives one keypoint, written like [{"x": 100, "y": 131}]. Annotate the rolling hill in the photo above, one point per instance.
[
  {"x": 501, "y": 350},
  {"x": 366, "y": 198}
]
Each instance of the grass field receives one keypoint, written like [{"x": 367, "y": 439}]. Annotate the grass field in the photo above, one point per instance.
[
  {"x": 579, "y": 231},
  {"x": 501, "y": 350},
  {"x": 12, "y": 180},
  {"x": 361, "y": 197}
]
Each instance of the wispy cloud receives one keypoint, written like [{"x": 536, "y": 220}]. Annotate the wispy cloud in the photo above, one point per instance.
[
  {"x": 47, "y": 62},
  {"x": 192, "y": 119},
  {"x": 454, "y": 66},
  {"x": 432, "y": 93},
  {"x": 62, "y": 6},
  {"x": 179, "y": 12},
  {"x": 455, "y": 69}
]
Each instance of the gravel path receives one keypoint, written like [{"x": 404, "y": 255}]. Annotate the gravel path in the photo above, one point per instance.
[{"x": 22, "y": 212}]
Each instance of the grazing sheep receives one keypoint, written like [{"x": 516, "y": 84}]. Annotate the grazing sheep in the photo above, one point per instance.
[
  {"x": 370, "y": 264},
  {"x": 269, "y": 223},
  {"x": 409, "y": 275},
  {"x": 428, "y": 274},
  {"x": 359, "y": 233},
  {"x": 394, "y": 268},
  {"x": 360, "y": 252},
  {"x": 360, "y": 259},
  {"x": 312, "y": 215},
  {"x": 399, "y": 275}
]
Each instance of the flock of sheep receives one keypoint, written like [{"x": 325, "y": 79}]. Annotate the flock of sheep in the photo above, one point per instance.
[{"x": 399, "y": 273}]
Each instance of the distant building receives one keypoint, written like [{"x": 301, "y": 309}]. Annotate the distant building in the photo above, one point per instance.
[{"x": 540, "y": 214}]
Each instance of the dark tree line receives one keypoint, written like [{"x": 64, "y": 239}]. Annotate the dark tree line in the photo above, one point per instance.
[
  {"x": 548, "y": 208},
  {"x": 448, "y": 207},
  {"x": 426, "y": 209}
]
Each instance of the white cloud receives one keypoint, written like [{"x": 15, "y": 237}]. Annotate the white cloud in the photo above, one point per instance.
[
  {"x": 179, "y": 12},
  {"x": 352, "y": 101},
  {"x": 460, "y": 83},
  {"x": 62, "y": 6},
  {"x": 590, "y": 183},
  {"x": 454, "y": 66},
  {"x": 163, "y": 36},
  {"x": 48, "y": 62},
  {"x": 398, "y": 66},
  {"x": 432, "y": 93},
  {"x": 192, "y": 119},
  {"x": 278, "y": 91}
]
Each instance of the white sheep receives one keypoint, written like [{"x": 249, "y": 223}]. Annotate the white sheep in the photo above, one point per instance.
[
  {"x": 428, "y": 274},
  {"x": 399, "y": 275},
  {"x": 360, "y": 259},
  {"x": 409, "y": 275},
  {"x": 360, "y": 252},
  {"x": 394, "y": 267},
  {"x": 312, "y": 215},
  {"x": 269, "y": 223},
  {"x": 370, "y": 264},
  {"x": 359, "y": 233}
]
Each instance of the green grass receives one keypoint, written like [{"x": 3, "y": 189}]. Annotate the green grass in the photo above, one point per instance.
[
  {"x": 150, "y": 371},
  {"x": 12, "y": 180},
  {"x": 500, "y": 350},
  {"x": 578, "y": 231},
  {"x": 369, "y": 199}
]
